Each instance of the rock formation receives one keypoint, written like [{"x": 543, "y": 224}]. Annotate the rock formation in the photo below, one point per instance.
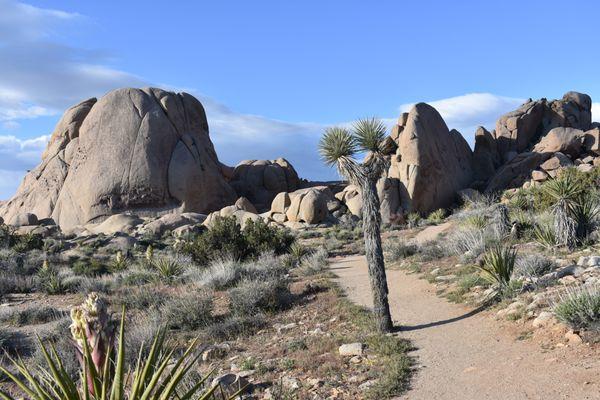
[
  {"x": 142, "y": 150},
  {"x": 261, "y": 180},
  {"x": 432, "y": 163}
]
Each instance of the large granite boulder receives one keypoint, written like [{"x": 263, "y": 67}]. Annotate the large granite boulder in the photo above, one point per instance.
[
  {"x": 261, "y": 180},
  {"x": 388, "y": 190},
  {"x": 309, "y": 205},
  {"x": 565, "y": 140},
  {"x": 432, "y": 162},
  {"x": 485, "y": 156},
  {"x": 141, "y": 150}
]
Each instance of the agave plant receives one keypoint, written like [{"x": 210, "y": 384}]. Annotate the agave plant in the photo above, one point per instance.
[
  {"x": 157, "y": 376},
  {"x": 338, "y": 146}
]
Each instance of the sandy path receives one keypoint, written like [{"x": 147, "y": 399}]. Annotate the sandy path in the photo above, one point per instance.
[{"x": 464, "y": 355}]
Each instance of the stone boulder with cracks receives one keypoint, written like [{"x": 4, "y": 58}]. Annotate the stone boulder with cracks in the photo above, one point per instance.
[{"x": 142, "y": 150}]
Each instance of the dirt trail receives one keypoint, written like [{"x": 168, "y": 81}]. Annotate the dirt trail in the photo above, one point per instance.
[{"x": 463, "y": 355}]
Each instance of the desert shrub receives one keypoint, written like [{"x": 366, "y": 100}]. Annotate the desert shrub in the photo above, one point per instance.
[
  {"x": 477, "y": 221},
  {"x": 27, "y": 242},
  {"x": 413, "y": 219},
  {"x": 533, "y": 265},
  {"x": 32, "y": 316},
  {"x": 250, "y": 296},
  {"x": 137, "y": 275},
  {"x": 226, "y": 238},
  {"x": 580, "y": 307},
  {"x": 221, "y": 273},
  {"x": 189, "y": 311},
  {"x": 12, "y": 283},
  {"x": 437, "y": 216},
  {"x": 235, "y": 326},
  {"x": 89, "y": 284},
  {"x": 315, "y": 263},
  {"x": 91, "y": 267},
  {"x": 431, "y": 250},
  {"x": 53, "y": 246},
  {"x": 397, "y": 249},
  {"x": 267, "y": 266},
  {"x": 143, "y": 328},
  {"x": 498, "y": 264},
  {"x": 262, "y": 238},
  {"x": 7, "y": 236},
  {"x": 467, "y": 243},
  {"x": 143, "y": 298}
]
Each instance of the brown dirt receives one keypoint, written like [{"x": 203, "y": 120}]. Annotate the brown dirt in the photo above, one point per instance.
[{"x": 464, "y": 354}]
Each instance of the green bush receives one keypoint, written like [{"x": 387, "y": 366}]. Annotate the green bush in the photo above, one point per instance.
[
  {"x": 262, "y": 238},
  {"x": 27, "y": 242},
  {"x": 437, "y": 216},
  {"x": 226, "y": 238},
  {"x": 92, "y": 267},
  {"x": 580, "y": 308},
  {"x": 398, "y": 250}
]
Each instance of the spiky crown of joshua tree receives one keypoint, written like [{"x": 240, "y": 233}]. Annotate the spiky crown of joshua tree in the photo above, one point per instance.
[{"x": 340, "y": 145}]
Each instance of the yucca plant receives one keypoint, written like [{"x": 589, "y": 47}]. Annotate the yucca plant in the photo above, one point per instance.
[
  {"x": 338, "y": 147},
  {"x": 545, "y": 236},
  {"x": 565, "y": 192},
  {"x": 498, "y": 264},
  {"x": 156, "y": 376},
  {"x": 586, "y": 213},
  {"x": 119, "y": 263},
  {"x": 168, "y": 269}
]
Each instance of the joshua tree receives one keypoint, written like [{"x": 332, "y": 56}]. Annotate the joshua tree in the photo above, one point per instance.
[{"x": 338, "y": 146}]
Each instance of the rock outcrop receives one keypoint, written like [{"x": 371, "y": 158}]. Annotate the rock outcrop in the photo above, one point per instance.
[
  {"x": 141, "y": 150},
  {"x": 519, "y": 129},
  {"x": 432, "y": 162},
  {"x": 261, "y": 180}
]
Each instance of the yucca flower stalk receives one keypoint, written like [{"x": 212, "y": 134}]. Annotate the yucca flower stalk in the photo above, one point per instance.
[
  {"x": 157, "y": 375},
  {"x": 149, "y": 254},
  {"x": 338, "y": 146},
  {"x": 93, "y": 329}
]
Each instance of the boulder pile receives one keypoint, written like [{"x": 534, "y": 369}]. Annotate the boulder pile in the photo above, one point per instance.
[{"x": 142, "y": 160}]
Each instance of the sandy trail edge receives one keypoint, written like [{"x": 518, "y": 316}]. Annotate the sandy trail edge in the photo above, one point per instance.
[{"x": 464, "y": 356}]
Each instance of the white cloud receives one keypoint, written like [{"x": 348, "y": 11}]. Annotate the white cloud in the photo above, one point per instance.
[
  {"x": 595, "y": 111},
  {"x": 465, "y": 113}
]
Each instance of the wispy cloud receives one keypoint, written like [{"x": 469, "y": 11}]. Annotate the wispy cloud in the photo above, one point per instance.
[{"x": 465, "y": 113}]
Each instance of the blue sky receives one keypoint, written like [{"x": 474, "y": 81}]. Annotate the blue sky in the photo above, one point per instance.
[{"x": 273, "y": 74}]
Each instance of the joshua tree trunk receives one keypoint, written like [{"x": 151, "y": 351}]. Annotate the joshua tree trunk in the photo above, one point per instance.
[{"x": 374, "y": 253}]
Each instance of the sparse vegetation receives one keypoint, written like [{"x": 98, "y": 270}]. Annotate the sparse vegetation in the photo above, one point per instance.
[{"x": 580, "y": 307}]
